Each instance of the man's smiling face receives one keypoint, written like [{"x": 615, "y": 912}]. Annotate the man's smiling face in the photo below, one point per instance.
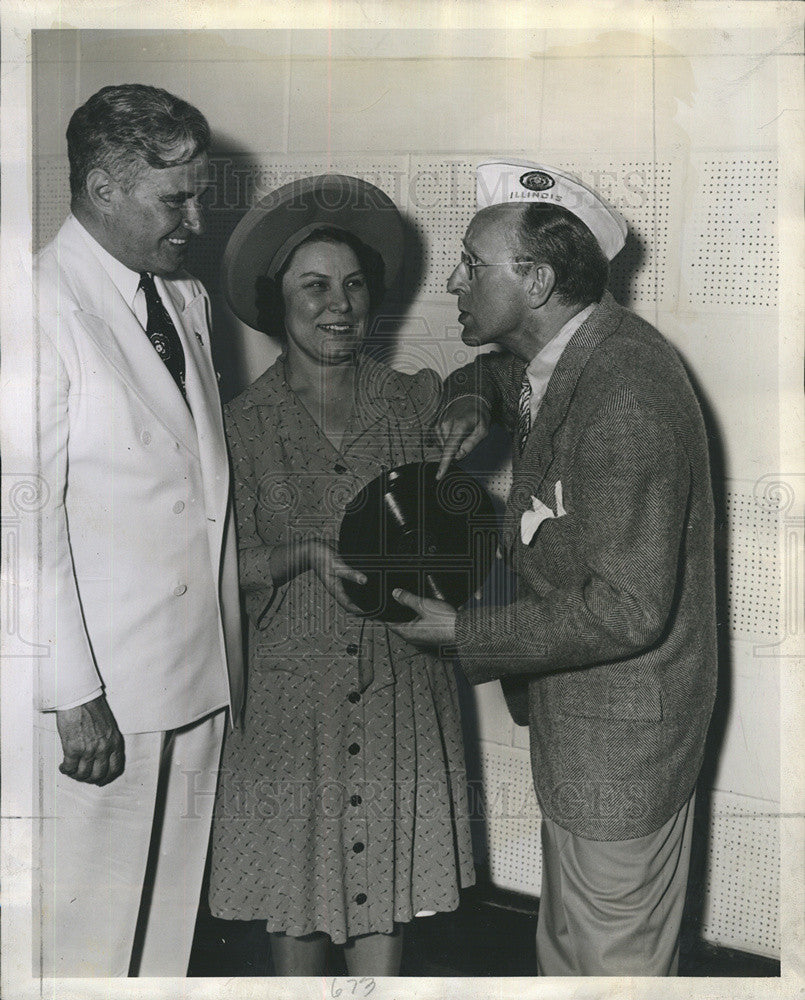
[{"x": 150, "y": 226}]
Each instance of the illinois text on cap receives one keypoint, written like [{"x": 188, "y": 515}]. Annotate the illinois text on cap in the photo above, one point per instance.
[{"x": 505, "y": 181}]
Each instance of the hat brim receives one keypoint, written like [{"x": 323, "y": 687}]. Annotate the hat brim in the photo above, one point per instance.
[{"x": 326, "y": 200}]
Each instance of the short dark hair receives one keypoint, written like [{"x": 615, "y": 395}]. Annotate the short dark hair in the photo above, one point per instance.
[
  {"x": 270, "y": 303},
  {"x": 553, "y": 235},
  {"x": 119, "y": 128}
]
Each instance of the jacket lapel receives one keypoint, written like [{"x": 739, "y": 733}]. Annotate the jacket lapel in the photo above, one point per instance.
[
  {"x": 529, "y": 472},
  {"x": 108, "y": 320},
  {"x": 191, "y": 321}
]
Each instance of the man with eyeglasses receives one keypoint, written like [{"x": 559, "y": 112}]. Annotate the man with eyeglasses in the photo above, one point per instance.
[{"x": 607, "y": 649}]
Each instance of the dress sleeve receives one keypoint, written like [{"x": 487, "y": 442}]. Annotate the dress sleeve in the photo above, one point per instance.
[{"x": 254, "y": 556}]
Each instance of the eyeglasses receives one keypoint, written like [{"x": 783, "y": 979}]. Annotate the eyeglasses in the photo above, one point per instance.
[{"x": 471, "y": 264}]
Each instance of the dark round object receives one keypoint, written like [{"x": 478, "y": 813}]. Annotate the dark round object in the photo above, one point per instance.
[{"x": 405, "y": 529}]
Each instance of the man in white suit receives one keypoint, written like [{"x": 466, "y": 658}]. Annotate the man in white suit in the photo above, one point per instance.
[{"x": 138, "y": 563}]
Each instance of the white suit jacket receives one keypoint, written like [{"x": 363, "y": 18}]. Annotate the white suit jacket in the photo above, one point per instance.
[{"x": 139, "y": 587}]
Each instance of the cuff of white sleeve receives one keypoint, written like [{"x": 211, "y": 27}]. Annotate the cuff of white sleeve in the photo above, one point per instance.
[{"x": 81, "y": 701}]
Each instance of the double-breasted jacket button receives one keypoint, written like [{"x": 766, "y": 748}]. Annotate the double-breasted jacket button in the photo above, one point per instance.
[
  {"x": 352, "y": 649},
  {"x": 357, "y": 847},
  {"x": 354, "y": 748},
  {"x": 360, "y": 899},
  {"x": 355, "y": 800},
  {"x": 354, "y": 697}
]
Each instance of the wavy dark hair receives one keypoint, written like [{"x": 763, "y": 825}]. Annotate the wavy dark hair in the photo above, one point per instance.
[
  {"x": 550, "y": 234},
  {"x": 269, "y": 300},
  {"x": 122, "y": 127}
]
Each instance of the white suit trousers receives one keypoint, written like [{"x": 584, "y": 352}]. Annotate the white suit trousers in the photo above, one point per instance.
[{"x": 122, "y": 865}]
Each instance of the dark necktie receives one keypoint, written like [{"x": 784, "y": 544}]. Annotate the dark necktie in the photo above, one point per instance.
[
  {"x": 162, "y": 333},
  {"x": 524, "y": 413}
]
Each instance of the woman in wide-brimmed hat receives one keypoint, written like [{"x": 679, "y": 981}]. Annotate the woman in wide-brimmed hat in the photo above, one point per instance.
[{"x": 341, "y": 809}]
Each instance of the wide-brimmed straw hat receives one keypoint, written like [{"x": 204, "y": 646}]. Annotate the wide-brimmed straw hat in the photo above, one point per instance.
[{"x": 272, "y": 229}]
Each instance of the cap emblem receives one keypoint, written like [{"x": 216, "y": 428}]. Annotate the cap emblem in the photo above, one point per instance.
[{"x": 536, "y": 180}]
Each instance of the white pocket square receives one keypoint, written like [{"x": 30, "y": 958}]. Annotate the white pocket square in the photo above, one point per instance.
[{"x": 540, "y": 512}]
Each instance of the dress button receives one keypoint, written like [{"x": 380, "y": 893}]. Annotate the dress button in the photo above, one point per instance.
[
  {"x": 357, "y": 847},
  {"x": 355, "y": 800},
  {"x": 145, "y": 437},
  {"x": 354, "y": 748},
  {"x": 352, "y": 649},
  {"x": 180, "y": 589},
  {"x": 178, "y": 507},
  {"x": 354, "y": 697},
  {"x": 360, "y": 899},
  {"x": 339, "y": 468}
]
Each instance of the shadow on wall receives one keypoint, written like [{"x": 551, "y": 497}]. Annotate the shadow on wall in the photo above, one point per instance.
[
  {"x": 697, "y": 881},
  {"x": 627, "y": 264},
  {"x": 233, "y": 188}
]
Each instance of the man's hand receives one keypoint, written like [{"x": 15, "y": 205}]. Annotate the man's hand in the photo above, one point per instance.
[
  {"x": 91, "y": 742},
  {"x": 434, "y": 628},
  {"x": 463, "y": 425}
]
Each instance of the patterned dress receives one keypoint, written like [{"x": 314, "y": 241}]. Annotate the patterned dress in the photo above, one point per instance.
[{"x": 342, "y": 801}]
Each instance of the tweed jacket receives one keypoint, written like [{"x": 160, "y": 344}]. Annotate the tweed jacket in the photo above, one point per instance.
[
  {"x": 139, "y": 565},
  {"x": 607, "y": 650}
]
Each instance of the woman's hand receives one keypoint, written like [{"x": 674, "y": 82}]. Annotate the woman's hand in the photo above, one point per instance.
[{"x": 331, "y": 569}]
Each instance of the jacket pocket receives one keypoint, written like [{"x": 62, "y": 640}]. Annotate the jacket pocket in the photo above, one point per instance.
[{"x": 616, "y": 695}]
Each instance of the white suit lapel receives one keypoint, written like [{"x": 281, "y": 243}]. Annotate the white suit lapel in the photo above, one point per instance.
[
  {"x": 109, "y": 321},
  {"x": 191, "y": 322}
]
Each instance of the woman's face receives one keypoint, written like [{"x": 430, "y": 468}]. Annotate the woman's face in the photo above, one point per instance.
[{"x": 326, "y": 303}]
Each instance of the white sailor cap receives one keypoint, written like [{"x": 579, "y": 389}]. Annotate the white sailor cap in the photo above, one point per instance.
[{"x": 504, "y": 181}]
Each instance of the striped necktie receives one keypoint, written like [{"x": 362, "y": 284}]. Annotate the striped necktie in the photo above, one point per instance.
[
  {"x": 524, "y": 413},
  {"x": 162, "y": 333}
]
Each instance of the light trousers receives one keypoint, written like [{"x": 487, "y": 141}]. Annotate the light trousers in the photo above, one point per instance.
[
  {"x": 122, "y": 864},
  {"x": 613, "y": 908}
]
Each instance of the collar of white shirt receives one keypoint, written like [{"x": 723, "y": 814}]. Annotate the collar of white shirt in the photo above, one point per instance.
[
  {"x": 124, "y": 279},
  {"x": 542, "y": 365}
]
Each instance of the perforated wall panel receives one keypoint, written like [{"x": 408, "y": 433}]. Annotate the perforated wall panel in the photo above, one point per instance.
[
  {"x": 754, "y": 567},
  {"x": 734, "y": 257},
  {"x": 742, "y": 881},
  {"x": 512, "y": 819},
  {"x": 742, "y": 902},
  {"x": 52, "y": 200}
]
